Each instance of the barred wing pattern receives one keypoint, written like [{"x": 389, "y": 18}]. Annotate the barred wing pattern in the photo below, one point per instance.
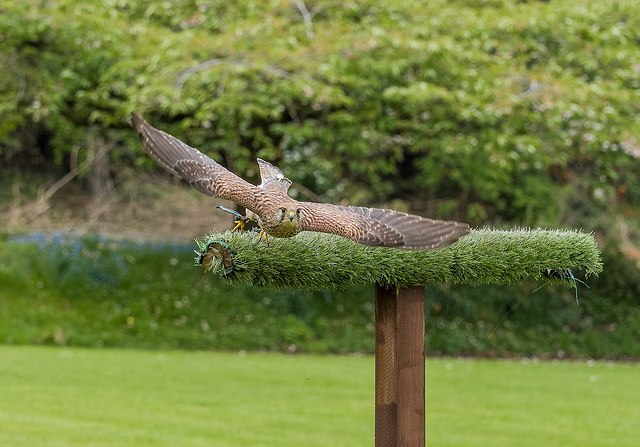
[
  {"x": 383, "y": 227},
  {"x": 273, "y": 178},
  {"x": 202, "y": 172},
  {"x": 367, "y": 226}
]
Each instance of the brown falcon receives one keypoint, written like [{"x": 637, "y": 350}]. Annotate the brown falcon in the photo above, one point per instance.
[{"x": 281, "y": 216}]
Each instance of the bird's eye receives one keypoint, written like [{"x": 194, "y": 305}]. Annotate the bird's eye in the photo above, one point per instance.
[
  {"x": 283, "y": 209},
  {"x": 299, "y": 212}
]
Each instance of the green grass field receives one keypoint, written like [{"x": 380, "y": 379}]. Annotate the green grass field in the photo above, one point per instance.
[{"x": 78, "y": 397}]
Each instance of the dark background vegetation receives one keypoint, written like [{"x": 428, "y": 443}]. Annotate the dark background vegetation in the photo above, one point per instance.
[{"x": 497, "y": 113}]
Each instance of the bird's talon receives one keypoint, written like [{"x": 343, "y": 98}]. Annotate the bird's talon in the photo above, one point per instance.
[
  {"x": 239, "y": 225},
  {"x": 239, "y": 220},
  {"x": 266, "y": 237}
]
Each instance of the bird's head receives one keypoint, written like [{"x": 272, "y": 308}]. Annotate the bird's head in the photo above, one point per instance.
[{"x": 289, "y": 217}]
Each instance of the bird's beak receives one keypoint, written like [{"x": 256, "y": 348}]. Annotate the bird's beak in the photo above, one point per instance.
[{"x": 291, "y": 215}]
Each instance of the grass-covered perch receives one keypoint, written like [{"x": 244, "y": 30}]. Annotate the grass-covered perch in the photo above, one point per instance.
[{"x": 314, "y": 261}]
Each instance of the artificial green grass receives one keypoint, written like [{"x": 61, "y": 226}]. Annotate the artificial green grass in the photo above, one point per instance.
[
  {"x": 78, "y": 397},
  {"x": 315, "y": 261}
]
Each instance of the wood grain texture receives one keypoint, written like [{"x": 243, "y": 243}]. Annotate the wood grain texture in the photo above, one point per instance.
[
  {"x": 411, "y": 370},
  {"x": 400, "y": 367},
  {"x": 386, "y": 367}
]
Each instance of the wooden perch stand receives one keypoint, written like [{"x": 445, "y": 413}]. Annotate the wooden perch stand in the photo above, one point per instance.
[
  {"x": 313, "y": 261},
  {"x": 400, "y": 379}
]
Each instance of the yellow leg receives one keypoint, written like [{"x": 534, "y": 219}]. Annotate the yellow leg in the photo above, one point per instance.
[
  {"x": 240, "y": 225},
  {"x": 266, "y": 237}
]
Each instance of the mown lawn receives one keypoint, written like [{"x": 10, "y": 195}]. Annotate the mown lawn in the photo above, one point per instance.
[{"x": 79, "y": 397}]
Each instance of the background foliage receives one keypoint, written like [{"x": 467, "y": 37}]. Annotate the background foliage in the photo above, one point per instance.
[
  {"x": 502, "y": 110},
  {"x": 497, "y": 112}
]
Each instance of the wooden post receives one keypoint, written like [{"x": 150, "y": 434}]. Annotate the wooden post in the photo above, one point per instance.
[
  {"x": 411, "y": 378},
  {"x": 386, "y": 368},
  {"x": 400, "y": 371}
]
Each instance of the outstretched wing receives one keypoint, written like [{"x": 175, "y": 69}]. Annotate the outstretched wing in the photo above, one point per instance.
[
  {"x": 202, "y": 172},
  {"x": 382, "y": 227}
]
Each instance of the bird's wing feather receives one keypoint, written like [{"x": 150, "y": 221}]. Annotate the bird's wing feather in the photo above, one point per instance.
[
  {"x": 382, "y": 227},
  {"x": 273, "y": 178},
  {"x": 367, "y": 226},
  {"x": 200, "y": 171}
]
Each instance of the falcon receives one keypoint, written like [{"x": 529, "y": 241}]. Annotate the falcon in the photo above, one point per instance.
[{"x": 278, "y": 215}]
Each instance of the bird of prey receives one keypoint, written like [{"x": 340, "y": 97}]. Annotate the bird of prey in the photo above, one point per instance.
[{"x": 279, "y": 215}]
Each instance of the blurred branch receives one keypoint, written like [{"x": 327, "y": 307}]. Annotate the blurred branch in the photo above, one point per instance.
[
  {"x": 306, "y": 192},
  {"x": 220, "y": 61},
  {"x": 293, "y": 113},
  {"x": 307, "y": 15},
  {"x": 42, "y": 203}
]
